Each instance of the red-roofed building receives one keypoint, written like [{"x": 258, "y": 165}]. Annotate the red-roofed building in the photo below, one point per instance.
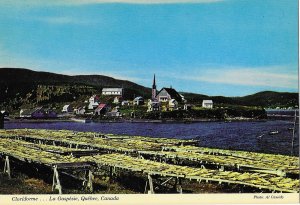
[{"x": 101, "y": 109}]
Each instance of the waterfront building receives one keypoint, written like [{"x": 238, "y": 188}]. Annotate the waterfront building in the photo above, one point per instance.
[
  {"x": 80, "y": 110},
  {"x": 67, "y": 108},
  {"x": 37, "y": 113},
  {"x": 101, "y": 109},
  {"x": 207, "y": 104}
]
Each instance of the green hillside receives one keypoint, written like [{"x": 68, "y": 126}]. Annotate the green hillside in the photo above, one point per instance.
[
  {"x": 27, "y": 88},
  {"x": 263, "y": 99}
]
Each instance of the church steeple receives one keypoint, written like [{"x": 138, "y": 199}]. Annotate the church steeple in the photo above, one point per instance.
[
  {"x": 154, "y": 84},
  {"x": 154, "y": 88}
]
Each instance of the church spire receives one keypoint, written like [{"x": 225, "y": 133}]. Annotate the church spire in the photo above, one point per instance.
[
  {"x": 154, "y": 88},
  {"x": 154, "y": 83}
]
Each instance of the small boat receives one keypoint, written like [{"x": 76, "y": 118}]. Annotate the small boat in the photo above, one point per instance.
[
  {"x": 274, "y": 132},
  {"x": 81, "y": 120},
  {"x": 260, "y": 136}
]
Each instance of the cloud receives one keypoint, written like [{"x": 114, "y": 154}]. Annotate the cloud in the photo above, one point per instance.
[
  {"x": 86, "y": 2},
  {"x": 267, "y": 77}
]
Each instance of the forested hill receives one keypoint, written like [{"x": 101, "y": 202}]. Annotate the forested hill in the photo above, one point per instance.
[
  {"x": 265, "y": 99},
  {"x": 18, "y": 75},
  {"x": 21, "y": 87}
]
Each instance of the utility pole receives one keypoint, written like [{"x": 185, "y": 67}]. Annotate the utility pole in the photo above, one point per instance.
[
  {"x": 1, "y": 120},
  {"x": 294, "y": 131}
]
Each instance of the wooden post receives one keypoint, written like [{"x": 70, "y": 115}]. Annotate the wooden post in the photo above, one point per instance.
[
  {"x": 1, "y": 121},
  {"x": 7, "y": 167},
  {"x": 151, "y": 189},
  {"x": 56, "y": 182},
  {"x": 179, "y": 187},
  {"x": 294, "y": 130},
  {"x": 90, "y": 181}
]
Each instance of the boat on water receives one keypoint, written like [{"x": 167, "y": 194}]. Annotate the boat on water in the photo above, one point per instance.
[
  {"x": 274, "y": 132},
  {"x": 82, "y": 120}
]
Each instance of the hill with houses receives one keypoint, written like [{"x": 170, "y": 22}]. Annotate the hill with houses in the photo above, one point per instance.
[{"x": 23, "y": 88}]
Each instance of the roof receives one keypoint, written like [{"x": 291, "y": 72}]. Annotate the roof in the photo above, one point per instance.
[
  {"x": 66, "y": 106},
  {"x": 138, "y": 98},
  {"x": 207, "y": 101},
  {"x": 112, "y": 89},
  {"x": 31, "y": 111},
  {"x": 94, "y": 96},
  {"x": 94, "y": 103},
  {"x": 101, "y": 106},
  {"x": 173, "y": 93}
]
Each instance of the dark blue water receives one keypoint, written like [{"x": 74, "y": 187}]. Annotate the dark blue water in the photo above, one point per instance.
[{"x": 232, "y": 135}]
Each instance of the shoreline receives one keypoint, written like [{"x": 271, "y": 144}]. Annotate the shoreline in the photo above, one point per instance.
[{"x": 164, "y": 121}]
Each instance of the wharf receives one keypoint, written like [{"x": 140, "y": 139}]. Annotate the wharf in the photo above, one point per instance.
[{"x": 89, "y": 152}]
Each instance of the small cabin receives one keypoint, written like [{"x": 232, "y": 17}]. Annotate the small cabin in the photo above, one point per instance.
[
  {"x": 79, "y": 110},
  {"x": 67, "y": 108},
  {"x": 125, "y": 103},
  {"x": 207, "y": 104},
  {"x": 138, "y": 101}
]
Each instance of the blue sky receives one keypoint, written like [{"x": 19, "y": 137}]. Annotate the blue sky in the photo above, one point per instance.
[{"x": 213, "y": 47}]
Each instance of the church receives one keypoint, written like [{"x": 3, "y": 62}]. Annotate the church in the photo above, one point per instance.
[
  {"x": 165, "y": 94},
  {"x": 169, "y": 97}
]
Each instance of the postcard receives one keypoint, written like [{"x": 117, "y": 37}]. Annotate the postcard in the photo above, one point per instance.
[{"x": 149, "y": 102}]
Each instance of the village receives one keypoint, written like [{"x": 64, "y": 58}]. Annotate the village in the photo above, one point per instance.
[{"x": 112, "y": 104}]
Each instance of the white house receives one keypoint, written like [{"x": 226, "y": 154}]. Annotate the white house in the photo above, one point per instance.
[
  {"x": 154, "y": 105},
  {"x": 112, "y": 91},
  {"x": 187, "y": 106},
  {"x": 79, "y": 111},
  {"x": 93, "y": 105},
  {"x": 93, "y": 99},
  {"x": 183, "y": 99},
  {"x": 67, "y": 108},
  {"x": 125, "y": 103},
  {"x": 117, "y": 99},
  {"x": 138, "y": 101},
  {"x": 207, "y": 104},
  {"x": 173, "y": 104}
]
